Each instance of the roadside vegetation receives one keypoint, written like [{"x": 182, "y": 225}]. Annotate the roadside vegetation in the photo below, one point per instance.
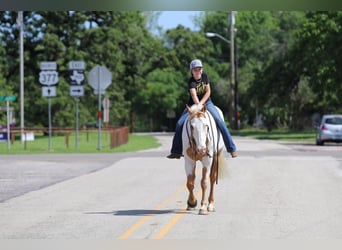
[
  {"x": 278, "y": 134},
  {"x": 287, "y": 66},
  {"x": 86, "y": 144},
  {"x": 136, "y": 142}
]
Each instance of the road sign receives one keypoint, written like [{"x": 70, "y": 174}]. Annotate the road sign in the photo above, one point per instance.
[
  {"x": 76, "y": 90},
  {"x": 48, "y": 77},
  {"x": 76, "y": 73},
  {"x": 76, "y": 77},
  {"x": 99, "y": 78},
  {"x": 77, "y": 65},
  {"x": 105, "y": 104},
  {"x": 48, "y": 66},
  {"x": 49, "y": 91},
  {"x": 8, "y": 98}
]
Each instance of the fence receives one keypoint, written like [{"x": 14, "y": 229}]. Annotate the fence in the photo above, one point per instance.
[{"x": 114, "y": 136}]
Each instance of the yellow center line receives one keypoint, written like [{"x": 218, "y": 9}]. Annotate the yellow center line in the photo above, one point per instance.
[
  {"x": 173, "y": 220},
  {"x": 140, "y": 222}
]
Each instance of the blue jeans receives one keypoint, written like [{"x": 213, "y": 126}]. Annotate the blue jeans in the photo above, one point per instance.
[{"x": 177, "y": 145}]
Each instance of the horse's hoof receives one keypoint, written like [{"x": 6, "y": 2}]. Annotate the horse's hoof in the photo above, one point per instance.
[
  {"x": 203, "y": 212},
  {"x": 211, "y": 209},
  {"x": 191, "y": 206}
]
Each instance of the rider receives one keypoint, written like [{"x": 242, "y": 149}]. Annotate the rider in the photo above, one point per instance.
[{"x": 199, "y": 89}]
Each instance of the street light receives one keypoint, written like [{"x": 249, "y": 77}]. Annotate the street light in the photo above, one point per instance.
[
  {"x": 233, "y": 112},
  {"x": 211, "y": 34}
]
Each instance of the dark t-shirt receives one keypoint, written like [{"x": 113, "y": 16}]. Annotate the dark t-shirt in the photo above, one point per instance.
[{"x": 200, "y": 86}]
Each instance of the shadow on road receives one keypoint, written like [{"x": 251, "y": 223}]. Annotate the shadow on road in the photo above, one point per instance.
[{"x": 137, "y": 212}]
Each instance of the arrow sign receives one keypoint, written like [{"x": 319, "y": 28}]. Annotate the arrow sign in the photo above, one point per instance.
[
  {"x": 76, "y": 90},
  {"x": 99, "y": 78},
  {"x": 49, "y": 91}
]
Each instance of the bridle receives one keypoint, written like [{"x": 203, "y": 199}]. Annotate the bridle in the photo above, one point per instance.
[{"x": 192, "y": 150}]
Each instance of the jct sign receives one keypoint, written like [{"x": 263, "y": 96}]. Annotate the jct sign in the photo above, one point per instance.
[
  {"x": 76, "y": 78},
  {"x": 48, "y": 78}
]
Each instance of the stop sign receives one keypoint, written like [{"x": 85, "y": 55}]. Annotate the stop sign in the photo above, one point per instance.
[{"x": 99, "y": 78}]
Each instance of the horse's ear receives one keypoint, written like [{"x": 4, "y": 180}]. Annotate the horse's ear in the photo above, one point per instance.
[
  {"x": 188, "y": 108},
  {"x": 204, "y": 109}
]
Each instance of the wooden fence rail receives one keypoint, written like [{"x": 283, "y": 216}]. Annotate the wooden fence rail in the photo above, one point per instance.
[{"x": 118, "y": 135}]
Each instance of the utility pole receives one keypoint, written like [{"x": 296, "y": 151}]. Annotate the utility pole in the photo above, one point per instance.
[
  {"x": 20, "y": 21},
  {"x": 232, "y": 106}
]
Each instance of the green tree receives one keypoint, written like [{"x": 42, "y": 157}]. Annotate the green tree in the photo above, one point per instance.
[
  {"x": 184, "y": 45},
  {"x": 318, "y": 55},
  {"x": 159, "y": 96}
]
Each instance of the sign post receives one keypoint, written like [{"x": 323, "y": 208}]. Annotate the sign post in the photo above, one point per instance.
[
  {"x": 48, "y": 78},
  {"x": 105, "y": 104},
  {"x": 76, "y": 79},
  {"x": 8, "y": 99},
  {"x": 99, "y": 79}
]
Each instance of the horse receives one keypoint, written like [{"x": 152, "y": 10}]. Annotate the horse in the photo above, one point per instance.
[{"x": 202, "y": 141}]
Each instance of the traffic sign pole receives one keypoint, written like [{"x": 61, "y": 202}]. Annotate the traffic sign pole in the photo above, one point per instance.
[
  {"x": 76, "y": 134},
  {"x": 99, "y": 78},
  {"x": 76, "y": 80},
  {"x": 49, "y": 145},
  {"x": 8, "y": 126},
  {"x": 8, "y": 99},
  {"x": 99, "y": 146},
  {"x": 48, "y": 77}
]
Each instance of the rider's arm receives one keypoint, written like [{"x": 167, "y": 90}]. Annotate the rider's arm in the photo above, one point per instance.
[
  {"x": 206, "y": 95},
  {"x": 194, "y": 96},
  {"x": 204, "y": 98}
]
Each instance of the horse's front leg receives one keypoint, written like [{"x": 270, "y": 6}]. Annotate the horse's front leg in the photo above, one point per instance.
[
  {"x": 192, "y": 201},
  {"x": 204, "y": 183},
  {"x": 213, "y": 177},
  {"x": 190, "y": 168}
]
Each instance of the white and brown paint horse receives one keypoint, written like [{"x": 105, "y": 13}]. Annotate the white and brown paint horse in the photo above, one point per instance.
[{"x": 202, "y": 142}]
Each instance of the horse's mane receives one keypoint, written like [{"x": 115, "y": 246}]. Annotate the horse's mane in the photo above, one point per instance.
[{"x": 196, "y": 111}]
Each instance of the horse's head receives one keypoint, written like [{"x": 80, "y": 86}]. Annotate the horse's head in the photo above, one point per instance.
[{"x": 199, "y": 126}]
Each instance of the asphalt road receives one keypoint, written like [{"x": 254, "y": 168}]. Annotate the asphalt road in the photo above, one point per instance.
[{"x": 273, "y": 191}]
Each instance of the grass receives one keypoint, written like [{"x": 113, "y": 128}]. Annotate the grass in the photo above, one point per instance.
[
  {"x": 308, "y": 135},
  {"x": 88, "y": 142}
]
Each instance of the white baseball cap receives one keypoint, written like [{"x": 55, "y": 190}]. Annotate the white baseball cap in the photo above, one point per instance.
[{"x": 196, "y": 63}]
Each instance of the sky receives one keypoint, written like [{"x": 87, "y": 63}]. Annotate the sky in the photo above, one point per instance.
[{"x": 171, "y": 19}]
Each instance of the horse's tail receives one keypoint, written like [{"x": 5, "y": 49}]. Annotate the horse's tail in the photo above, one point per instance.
[{"x": 222, "y": 165}]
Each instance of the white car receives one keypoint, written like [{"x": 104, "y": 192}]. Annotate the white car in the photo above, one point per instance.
[{"x": 329, "y": 130}]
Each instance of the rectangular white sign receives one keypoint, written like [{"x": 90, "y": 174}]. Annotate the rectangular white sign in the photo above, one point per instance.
[
  {"x": 76, "y": 65},
  {"x": 48, "y": 65},
  {"x": 76, "y": 90},
  {"x": 49, "y": 91}
]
